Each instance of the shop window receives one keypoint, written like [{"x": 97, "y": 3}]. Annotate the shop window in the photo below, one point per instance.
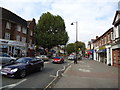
[
  {"x": 8, "y": 25},
  {"x": 7, "y": 36}
]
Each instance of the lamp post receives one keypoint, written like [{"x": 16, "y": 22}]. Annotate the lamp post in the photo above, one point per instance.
[{"x": 75, "y": 61}]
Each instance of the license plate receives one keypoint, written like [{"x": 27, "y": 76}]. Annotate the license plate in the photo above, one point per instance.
[{"x": 3, "y": 73}]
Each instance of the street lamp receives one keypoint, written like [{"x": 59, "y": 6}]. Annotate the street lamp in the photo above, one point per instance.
[{"x": 75, "y": 61}]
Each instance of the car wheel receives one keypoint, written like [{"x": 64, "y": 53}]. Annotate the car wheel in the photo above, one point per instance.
[
  {"x": 41, "y": 68},
  {"x": 22, "y": 73},
  {"x": 11, "y": 61}
]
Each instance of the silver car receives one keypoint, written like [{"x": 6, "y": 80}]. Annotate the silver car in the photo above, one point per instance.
[{"x": 5, "y": 58}]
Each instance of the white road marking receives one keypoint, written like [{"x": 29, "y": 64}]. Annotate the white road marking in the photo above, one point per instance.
[
  {"x": 52, "y": 76},
  {"x": 46, "y": 62},
  {"x": 13, "y": 85},
  {"x": 84, "y": 70}
]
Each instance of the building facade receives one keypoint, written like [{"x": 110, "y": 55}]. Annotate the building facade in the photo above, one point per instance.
[
  {"x": 102, "y": 47},
  {"x": 14, "y": 34},
  {"x": 90, "y": 49},
  {"x": 116, "y": 41}
]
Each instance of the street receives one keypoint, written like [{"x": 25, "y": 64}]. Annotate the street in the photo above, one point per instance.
[
  {"x": 35, "y": 80},
  {"x": 89, "y": 74}
]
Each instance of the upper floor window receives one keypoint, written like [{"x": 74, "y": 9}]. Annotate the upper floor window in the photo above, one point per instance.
[
  {"x": 17, "y": 37},
  {"x": 7, "y": 36},
  {"x": 18, "y": 28},
  {"x": 30, "y": 41},
  {"x": 8, "y": 25},
  {"x": 119, "y": 30},
  {"x": 24, "y": 39},
  {"x": 24, "y": 30},
  {"x": 31, "y": 33},
  {"x": 108, "y": 37},
  {"x": 104, "y": 40},
  {"x": 112, "y": 35}
]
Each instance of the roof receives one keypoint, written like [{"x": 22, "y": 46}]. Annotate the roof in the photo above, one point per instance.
[
  {"x": 103, "y": 34},
  {"x": 8, "y": 15},
  {"x": 117, "y": 12}
]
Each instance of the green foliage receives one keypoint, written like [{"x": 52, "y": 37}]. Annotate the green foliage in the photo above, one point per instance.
[
  {"x": 70, "y": 48},
  {"x": 76, "y": 47},
  {"x": 51, "y": 31}
]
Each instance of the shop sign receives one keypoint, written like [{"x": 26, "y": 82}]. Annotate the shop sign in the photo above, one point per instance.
[
  {"x": 101, "y": 48},
  {"x": 2, "y": 41}
]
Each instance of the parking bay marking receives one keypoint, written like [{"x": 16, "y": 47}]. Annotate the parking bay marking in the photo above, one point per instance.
[{"x": 13, "y": 85}]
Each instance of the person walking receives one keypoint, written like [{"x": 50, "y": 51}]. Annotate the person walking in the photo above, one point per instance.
[{"x": 75, "y": 60}]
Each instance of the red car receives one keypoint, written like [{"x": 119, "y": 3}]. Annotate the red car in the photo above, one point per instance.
[{"x": 58, "y": 60}]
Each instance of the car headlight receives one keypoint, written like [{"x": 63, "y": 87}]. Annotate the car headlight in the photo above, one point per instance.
[
  {"x": 0, "y": 67},
  {"x": 14, "y": 70}
]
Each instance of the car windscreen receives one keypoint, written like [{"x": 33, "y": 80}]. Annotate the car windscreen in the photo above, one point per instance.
[{"x": 23, "y": 60}]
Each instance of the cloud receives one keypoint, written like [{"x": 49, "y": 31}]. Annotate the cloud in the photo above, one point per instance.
[{"x": 94, "y": 17}]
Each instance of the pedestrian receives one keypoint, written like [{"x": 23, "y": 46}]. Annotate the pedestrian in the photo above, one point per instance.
[{"x": 75, "y": 60}]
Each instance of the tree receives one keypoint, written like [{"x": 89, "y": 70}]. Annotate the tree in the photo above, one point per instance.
[
  {"x": 77, "y": 46},
  {"x": 80, "y": 46},
  {"x": 70, "y": 48},
  {"x": 50, "y": 31}
]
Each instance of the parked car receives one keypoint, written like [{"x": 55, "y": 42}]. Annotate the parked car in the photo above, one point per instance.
[
  {"x": 44, "y": 57},
  {"x": 58, "y": 60},
  {"x": 5, "y": 58},
  {"x": 71, "y": 57},
  {"x": 22, "y": 66}
]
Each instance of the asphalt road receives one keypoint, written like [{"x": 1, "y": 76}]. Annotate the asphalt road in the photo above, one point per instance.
[{"x": 34, "y": 80}]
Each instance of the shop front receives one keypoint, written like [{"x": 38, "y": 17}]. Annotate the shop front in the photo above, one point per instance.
[
  {"x": 13, "y": 48},
  {"x": 102, "y": 55}
]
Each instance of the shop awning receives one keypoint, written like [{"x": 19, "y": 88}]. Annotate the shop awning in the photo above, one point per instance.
[{"x": 101, "y": 51}]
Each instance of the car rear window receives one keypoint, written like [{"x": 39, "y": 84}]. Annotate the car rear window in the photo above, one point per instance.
[{"x": 57, "y": 57}]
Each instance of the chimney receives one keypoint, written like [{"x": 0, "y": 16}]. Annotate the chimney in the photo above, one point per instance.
[{"x": 96, "y": 37}]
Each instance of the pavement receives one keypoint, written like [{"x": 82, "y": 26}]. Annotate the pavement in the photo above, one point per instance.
[{"x": 89, "y": 74}]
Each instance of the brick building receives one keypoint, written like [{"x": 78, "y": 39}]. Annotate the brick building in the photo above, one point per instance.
[
  {"x": 102, "y": 47},
  {"x": 14, "y": 37},
  {"x": 116, "y": 41}
]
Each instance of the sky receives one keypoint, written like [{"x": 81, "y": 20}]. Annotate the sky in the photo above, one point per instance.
[{"x": 94, "y": 17}]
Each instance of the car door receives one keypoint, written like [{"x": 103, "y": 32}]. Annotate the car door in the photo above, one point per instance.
[
  {"x": 33, "y": 64},
  {"x": 39, "y": 63}
]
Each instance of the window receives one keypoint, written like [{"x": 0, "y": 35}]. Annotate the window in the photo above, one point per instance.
[
  {"x": 17, "y": 37},
  {"x": 112, "y": 36},
  {"x": 24, "y": 39},
  {"x": 18, "y": 28},
  {"x": 30, "y": 41},
  {"x": 24, "y": 30},
  {"x": 105, "y": 40},
  {"x": 8, "y": 25},
  {"x": 102, "y": 41},
  {"x": 31, "y": 33},
  {"x": 119, "y": 30},
  {"x": 7, "y": 36},
  {"x": 108, "y": 37}
]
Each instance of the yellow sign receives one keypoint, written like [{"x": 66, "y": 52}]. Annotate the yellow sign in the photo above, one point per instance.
[{"x": 103, "y": 47}]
